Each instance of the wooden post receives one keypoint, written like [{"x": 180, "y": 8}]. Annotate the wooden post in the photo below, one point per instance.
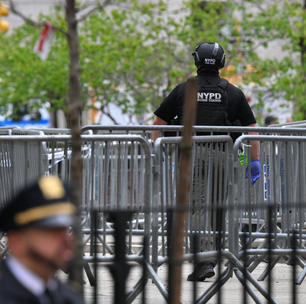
[{"x": 189, "y": 117}]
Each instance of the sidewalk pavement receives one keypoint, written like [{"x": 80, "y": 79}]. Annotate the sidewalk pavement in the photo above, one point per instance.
[{"x": 232, "y": 291}]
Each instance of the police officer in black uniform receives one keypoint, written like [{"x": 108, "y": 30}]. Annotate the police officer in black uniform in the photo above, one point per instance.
[
  {"x": 36, "y": 222},
  {"x": 209, "y": 59}
]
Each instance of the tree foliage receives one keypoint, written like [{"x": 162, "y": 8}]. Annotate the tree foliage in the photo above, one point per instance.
[
  {"x": 133, "y": 54},
  {"x": 25, "y": 76},
  {"x": 284, "y": 22}
]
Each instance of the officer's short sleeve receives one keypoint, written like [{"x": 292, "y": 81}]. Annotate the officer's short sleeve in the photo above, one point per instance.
[
  {"x": 246, "y": 115},
  {"x": 167, "y": 109}
]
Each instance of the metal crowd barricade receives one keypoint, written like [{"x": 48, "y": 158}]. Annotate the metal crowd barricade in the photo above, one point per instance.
[
  {"x": 116, "y": 175},
  {"x": 216, "y": 241},
  {"x": 293, "y": 124},
  {"x": 21, "y": 162},
  {"x": 281, "y": 188},
  {"x": 206, "y": 199},
  {"x": 174, "y": 130}
]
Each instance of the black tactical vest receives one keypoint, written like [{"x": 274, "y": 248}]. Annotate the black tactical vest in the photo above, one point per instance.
[{"x": 212, "y": 105}]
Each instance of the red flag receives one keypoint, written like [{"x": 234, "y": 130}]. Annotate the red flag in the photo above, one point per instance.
[{"x": 43, "y": 44}]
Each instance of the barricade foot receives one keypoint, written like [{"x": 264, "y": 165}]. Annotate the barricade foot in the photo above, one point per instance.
[
  {"x": 247, "y": 287},
  {"x": 215, "y": 287}
]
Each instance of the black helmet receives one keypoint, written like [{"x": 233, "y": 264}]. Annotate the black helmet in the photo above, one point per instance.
[{"x": 209, "y": 55}]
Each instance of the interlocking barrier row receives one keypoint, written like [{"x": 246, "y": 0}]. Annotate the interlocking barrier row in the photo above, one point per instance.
[{"x": 120, "y": 173}]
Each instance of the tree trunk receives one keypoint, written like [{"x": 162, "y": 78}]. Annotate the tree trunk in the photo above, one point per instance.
[
  {"x": 74, "y": 110},
  {"x": 189, "y": 118}
]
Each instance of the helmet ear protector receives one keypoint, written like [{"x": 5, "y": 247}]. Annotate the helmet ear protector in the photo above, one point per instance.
[{"x": 210, "y": 55}]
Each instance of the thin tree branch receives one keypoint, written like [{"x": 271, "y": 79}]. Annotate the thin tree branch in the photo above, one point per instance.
[
  {"x": 108, "y": 114},
  {"x": 81, "y": 8},
  {"x": 259, "y": 6},
  {"x": 34, "y": 23},
  {"x": 95, "y": 9}
]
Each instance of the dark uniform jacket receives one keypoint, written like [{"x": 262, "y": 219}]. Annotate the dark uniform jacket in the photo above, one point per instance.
[
  {"x": 238, "y": 107},
  {"x": 12, "y": 292}
]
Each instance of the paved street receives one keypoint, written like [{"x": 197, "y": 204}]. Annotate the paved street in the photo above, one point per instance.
[{"x": 232, "y": 291}]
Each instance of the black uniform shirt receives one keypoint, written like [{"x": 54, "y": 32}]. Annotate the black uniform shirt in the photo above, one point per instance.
[
  {"x": 12, "y": 292},
  {"x": 238, "y": 107}
]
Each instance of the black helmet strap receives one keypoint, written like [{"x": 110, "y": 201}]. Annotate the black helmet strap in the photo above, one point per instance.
[{"x": 215, "y": 49}]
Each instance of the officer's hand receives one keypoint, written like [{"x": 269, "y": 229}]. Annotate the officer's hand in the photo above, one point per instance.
[{"x": 255, "y": 171}]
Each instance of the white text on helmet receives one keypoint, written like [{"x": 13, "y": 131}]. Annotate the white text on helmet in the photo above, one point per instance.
[{"x": 210, "y": 61}]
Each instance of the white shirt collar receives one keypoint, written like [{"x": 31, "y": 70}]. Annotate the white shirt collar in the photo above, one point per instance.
[{"x": 29, "y": 279}]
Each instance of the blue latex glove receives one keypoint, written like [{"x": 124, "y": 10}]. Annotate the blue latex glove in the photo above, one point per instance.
[{"x": 255, "y": 171}]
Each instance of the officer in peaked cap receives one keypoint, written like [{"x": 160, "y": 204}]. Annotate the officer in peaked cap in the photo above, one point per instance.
[{"x": 36, "y": 222}]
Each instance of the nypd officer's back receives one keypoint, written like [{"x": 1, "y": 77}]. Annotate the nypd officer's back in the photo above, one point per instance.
[
  {"x": 219, "y": 103},
  {"x": 36, "y": 222}
]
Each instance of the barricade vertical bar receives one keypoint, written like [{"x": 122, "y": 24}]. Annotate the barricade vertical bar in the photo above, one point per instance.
[
  {"x": 119, "y": 176},
  {"x": 195, "y": 242},
  {"x": 214, "y": 200},
  {"x": 93, "y": 251},
  {"x": 275, "y": 201},
  {"x": 120, "y": 269},
  {"x": 191, "y": 209},
  {"x": 261, "y": 197},
  {"x": 84, "y": 204},
  {"x": 155, "y": 213},
  {"x": 92, "y": 177},
  {"x": 302, "y": 196},
  {"x": 270, "y": 213},
  {"x": 130, "y": 177},
  {"x": 107, "y": 164},
  {"x": 202, "y": 151},
  {"x": 208, "y": 200},
  {"x": 141, "y": 184},
  {"x": 294, "y": 259},
  {"x": 170, "y": 215},
  {"x": 27, "y": 164},
  {"x": 283, "y": 175},
  {"x": 290, "y": 180},
  {"x": 244, "y": 238},
  {"x": 96, "y": 176},
  {"x": 123, "y": 155},
  {"x": 197, "y": 193},
  {"x": 163, "y": 200},
  {"x": 133, "y": 172},
  {"x": 168, "y": 197},
  {"x": 66, "y": 164},
  {"x": 52, "y": 158},
  {"x": 147, "y": 182},
  {"x": 287, "y": 191},
  {"x": 114, "y": 175},
  {"x": 174, "y": 170},
  {"x": 146, "y": 258},
  {"x": 221, "y": 228},
  {"x": 138, "y": 169},
  {"x": 14, "y": 167},
  {"x": 232, "y": 204},
  {"x": 294, "y": 184}
]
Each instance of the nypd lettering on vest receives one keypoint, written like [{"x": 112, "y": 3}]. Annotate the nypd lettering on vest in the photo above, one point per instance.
[{"x": 209, "y": 97}]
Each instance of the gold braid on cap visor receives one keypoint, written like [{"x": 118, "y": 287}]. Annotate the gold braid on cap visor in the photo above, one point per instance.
[{"x": 39, "y": 213}]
